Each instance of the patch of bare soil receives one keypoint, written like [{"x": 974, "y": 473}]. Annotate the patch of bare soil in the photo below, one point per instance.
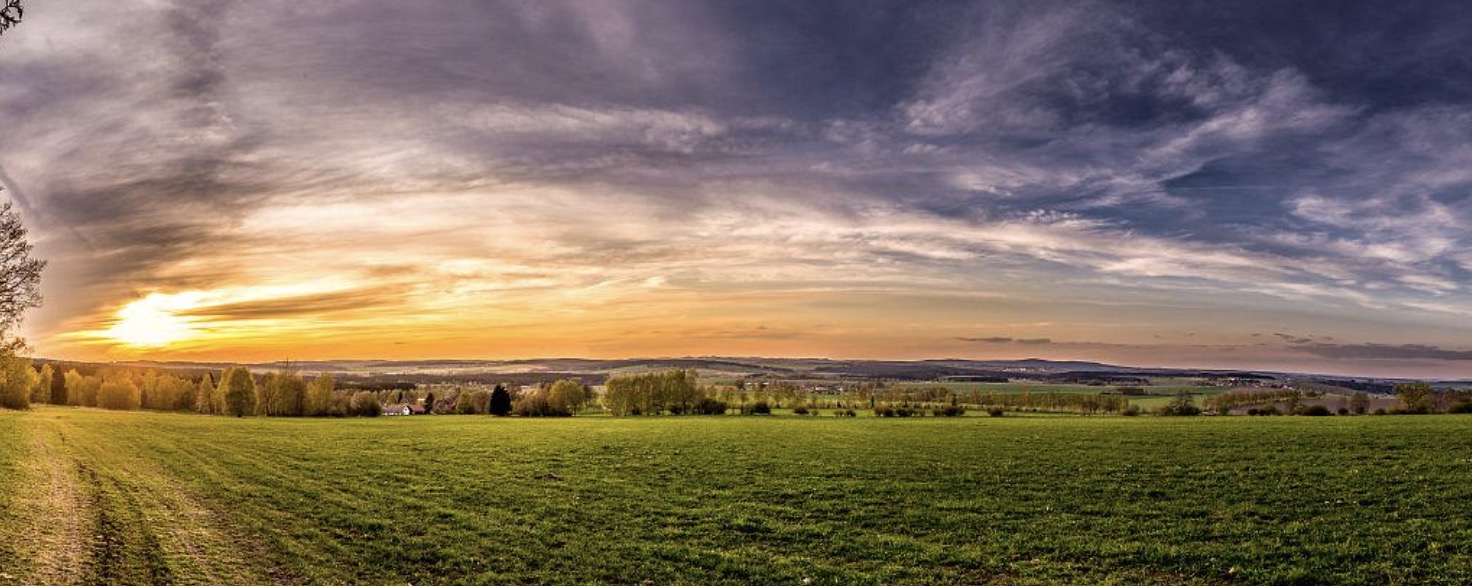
[{"x": 54, "y": 512}]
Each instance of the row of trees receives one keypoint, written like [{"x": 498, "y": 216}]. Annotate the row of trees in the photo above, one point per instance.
[
  {"x": 1085, "y": 403},
  {"x": 282, "y": 394},
  {"x": 1225, "y": 402},
  {"x": 559, "y": 399},
  {"x": 1422, "y": 398},
  {"x": 238, "y": 392},
  {"x": 652, "y": 393}
]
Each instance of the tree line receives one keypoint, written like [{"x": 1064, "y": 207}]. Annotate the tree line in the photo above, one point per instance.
[{"x": 237, "y": 393}]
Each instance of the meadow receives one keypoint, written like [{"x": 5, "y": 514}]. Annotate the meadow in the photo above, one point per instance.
[{"x": 103, "y": 497}]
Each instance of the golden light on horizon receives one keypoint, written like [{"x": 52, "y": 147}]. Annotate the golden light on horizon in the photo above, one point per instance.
[{"x": 152, "y": 322}]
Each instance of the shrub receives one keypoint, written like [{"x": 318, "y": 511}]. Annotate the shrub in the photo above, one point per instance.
[
  {"x": 364, "y": 404},
  {"x": 949, "y": 411},
  {"x": 846, "y": 413},
  {"x": 1344, "y": 411},
  {"x": 757, "y": 408},
  {"x": 800, "y": 411},
  {"x": 996, "y": 412},
  {"x": 1316, "y": 411},
  {"x": 709, "y": 406},
  {"x": 1181, "y": 406},
  {"x": 1131, "y": 411},
  {"x": 892, "y": 411},
  {"x": 1465, "y": 407}
]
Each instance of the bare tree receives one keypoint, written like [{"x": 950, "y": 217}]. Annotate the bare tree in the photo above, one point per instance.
[
  {"x": 10, "y": 15},
  {"x": 20, "y": 278}
]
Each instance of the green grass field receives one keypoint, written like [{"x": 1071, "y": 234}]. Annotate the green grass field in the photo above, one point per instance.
[{"x": 96, "y": 497}]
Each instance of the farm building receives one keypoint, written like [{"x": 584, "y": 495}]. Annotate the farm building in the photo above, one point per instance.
[{"x": 403, "y": 409}]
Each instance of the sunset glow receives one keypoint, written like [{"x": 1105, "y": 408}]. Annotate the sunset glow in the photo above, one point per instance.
[
  {"x": 151, "y": 322},
  {"x": 514, "y": 180}
]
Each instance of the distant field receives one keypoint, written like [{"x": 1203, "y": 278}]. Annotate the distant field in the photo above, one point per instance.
[
  {"x": 140, "y": 498},
  {"x": 1044, "y": 387}
]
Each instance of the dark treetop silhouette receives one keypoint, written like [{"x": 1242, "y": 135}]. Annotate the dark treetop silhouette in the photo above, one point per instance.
[
  {"x": 20, "y": 277},
  {"x": 10, "y": 15}
]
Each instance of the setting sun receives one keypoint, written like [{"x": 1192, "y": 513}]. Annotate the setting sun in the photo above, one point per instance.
[{"x": 152, "y": 322}]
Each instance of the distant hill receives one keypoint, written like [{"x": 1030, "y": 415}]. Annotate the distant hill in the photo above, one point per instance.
[
  {"x": 737, "y": 366},
  {"x": 722, "y": 366}
]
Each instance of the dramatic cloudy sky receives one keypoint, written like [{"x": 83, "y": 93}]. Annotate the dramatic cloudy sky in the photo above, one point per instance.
[{"x": 1190, "y": 183}]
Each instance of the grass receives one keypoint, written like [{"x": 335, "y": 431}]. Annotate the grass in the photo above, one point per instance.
[
  {"x": 778, "y": 500},
  {"x": 12, "y": 451}
]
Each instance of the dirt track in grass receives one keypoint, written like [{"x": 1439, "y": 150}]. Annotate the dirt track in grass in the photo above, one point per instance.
[{"x": 91, "y": 511}]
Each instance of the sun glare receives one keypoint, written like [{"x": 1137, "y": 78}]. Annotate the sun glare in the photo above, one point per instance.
[{"x": 152, "y": 322}]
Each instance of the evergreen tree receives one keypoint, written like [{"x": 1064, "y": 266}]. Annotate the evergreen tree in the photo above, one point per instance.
[
  {"x": 58, "y": 388},
  {"x": 500, "y": 401}
]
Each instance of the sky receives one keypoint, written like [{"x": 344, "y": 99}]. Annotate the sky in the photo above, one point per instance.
[{"x": 1271, "y": 185}]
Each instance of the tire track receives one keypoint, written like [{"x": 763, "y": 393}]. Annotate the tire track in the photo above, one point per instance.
[
  {"x": 95, "y": 508},
  {"x": 52, "y": 507},
  {"x": 166, "y": 534}
]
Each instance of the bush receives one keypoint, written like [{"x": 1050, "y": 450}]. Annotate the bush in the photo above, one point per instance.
[
  {"x": 1460, "y": 408},
  {"x": 845, "y": 413},
  {"x": 1315, "y": 411},
  {"x": 800, "y": 411},
  {"x": 996, "y": 412},
  {"x": 949, "y": 411},
  {"x": 1131, "y": 411},
  {"x": 883, "y": 410},
  {"x": 757, "y": 408},
  {"x": 1181, "y": 406},
  {"x": 709, "y": 406},
  {"x": 364, "y": 404},
  {"x": 1380, "y": 411}
]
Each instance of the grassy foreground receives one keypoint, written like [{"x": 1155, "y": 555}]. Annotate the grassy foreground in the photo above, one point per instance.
[{"x": 98, "y": 497}]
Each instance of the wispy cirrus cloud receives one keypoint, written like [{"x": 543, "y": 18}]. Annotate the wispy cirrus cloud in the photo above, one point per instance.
[{"x": 627, "y": 162}]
